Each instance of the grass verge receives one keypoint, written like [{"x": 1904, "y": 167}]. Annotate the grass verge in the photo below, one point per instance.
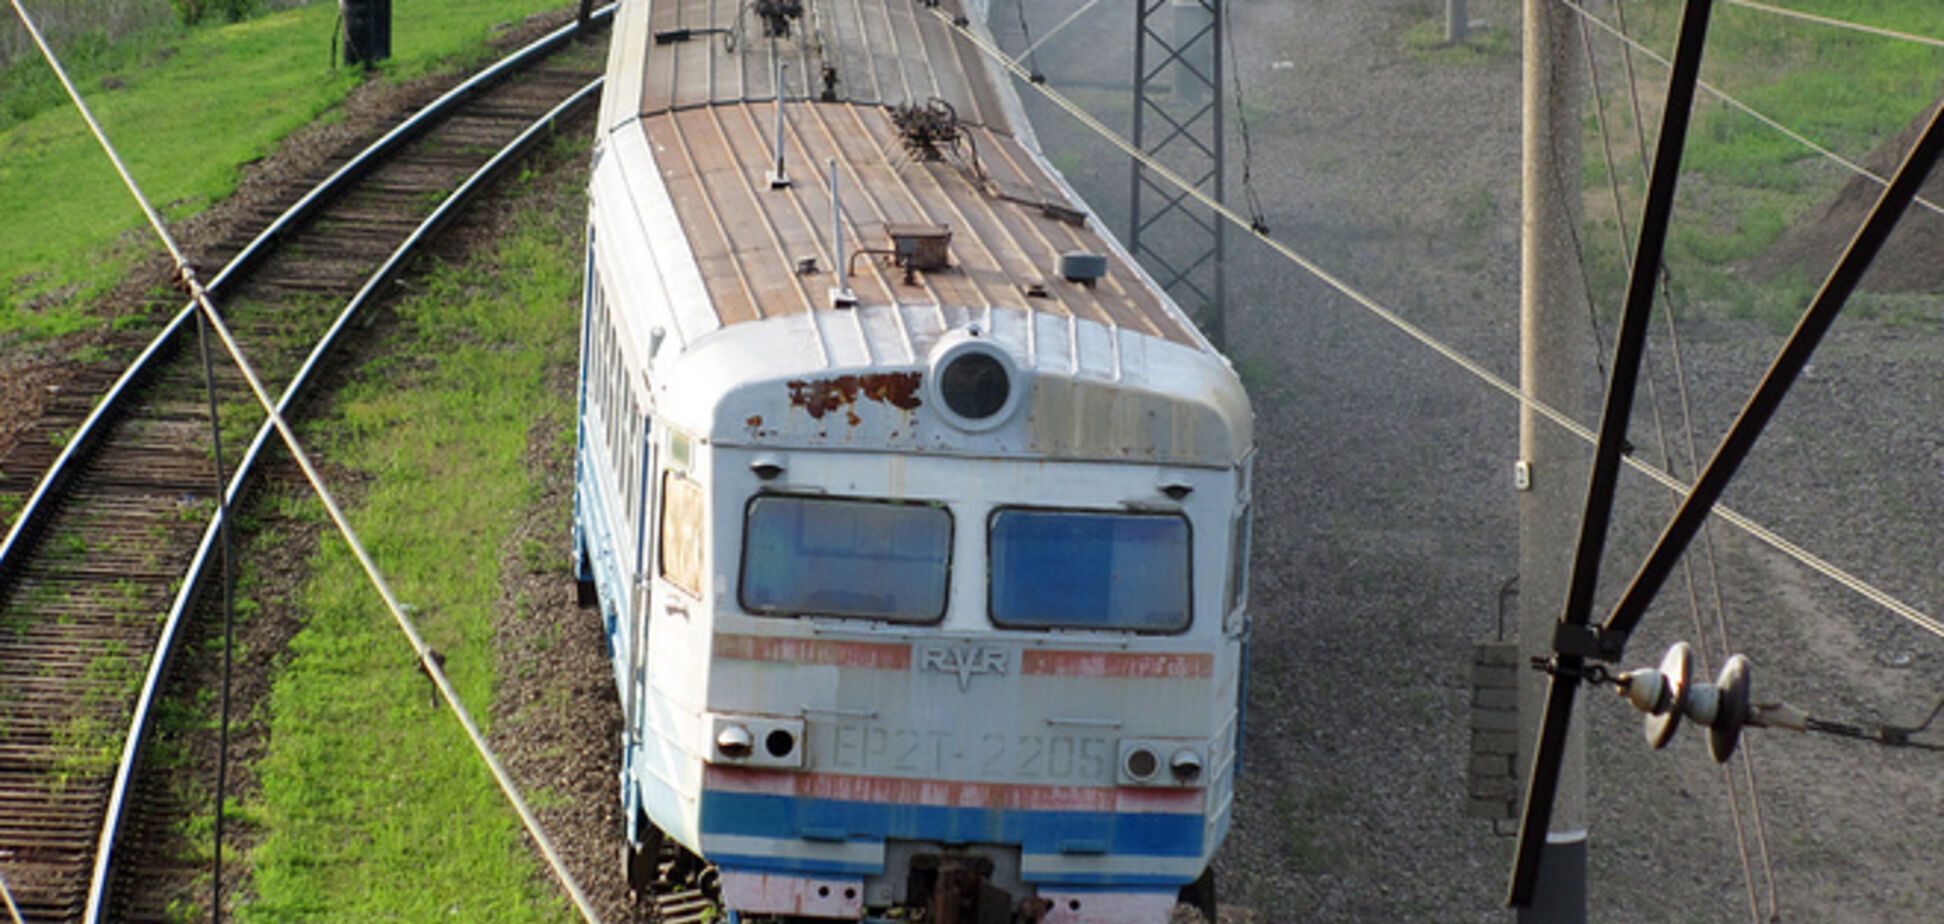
[
  {"x": 374, "y": 805},
  {"x": 1743, "y": 183},
  {"x": 189, "y": 107}
]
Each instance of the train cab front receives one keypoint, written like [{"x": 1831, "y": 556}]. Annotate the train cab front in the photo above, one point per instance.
[{"x": 957, "y": 676}]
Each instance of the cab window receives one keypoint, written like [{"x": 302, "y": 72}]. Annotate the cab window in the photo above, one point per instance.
[
  {"x": 863, "y": 559},
  {"x": 1079, "y": 569}
]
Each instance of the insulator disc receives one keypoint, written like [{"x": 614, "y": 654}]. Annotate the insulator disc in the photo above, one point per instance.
[
  {"x": 1675, "y": 668},
  {"x": 1732, "y": 711}
]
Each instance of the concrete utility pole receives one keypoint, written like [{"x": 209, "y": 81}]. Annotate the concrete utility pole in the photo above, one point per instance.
[
  {"x": 1457, "y": 21},
  {"x": 1553, "y": 466}
]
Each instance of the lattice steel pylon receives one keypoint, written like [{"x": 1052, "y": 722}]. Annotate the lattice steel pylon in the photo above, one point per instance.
[{"x": 1178, "y": 121}]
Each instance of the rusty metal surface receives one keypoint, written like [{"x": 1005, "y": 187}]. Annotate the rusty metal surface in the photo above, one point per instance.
[
  {"x": 749, "y": 240},
  {"x": 78, "y": 621}
]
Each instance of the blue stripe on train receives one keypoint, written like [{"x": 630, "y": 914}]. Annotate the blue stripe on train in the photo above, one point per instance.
[
  {"x": 1066, "y": 881},
  {"x": 1035, "y": 831}
]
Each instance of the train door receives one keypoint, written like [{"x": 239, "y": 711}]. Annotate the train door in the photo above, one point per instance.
[{"x": 644, "y": 585}]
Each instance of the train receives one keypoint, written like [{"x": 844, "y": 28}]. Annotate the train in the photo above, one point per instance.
[{"x": 916, "y": 513}]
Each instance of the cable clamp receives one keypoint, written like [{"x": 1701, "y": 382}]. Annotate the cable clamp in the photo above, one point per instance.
[
  {"x": 1595, "y": 674},
  {"x": 1595, "y": 642}
]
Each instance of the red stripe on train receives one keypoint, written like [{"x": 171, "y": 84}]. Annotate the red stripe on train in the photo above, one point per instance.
[
  {"x": 950, "y": 794},
  {"x": 1117, "y": 664},
  {"x": 871, "y": 655},
  {"x": 896, "y": 656}
]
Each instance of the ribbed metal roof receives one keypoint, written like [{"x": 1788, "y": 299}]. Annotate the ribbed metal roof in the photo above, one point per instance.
[{"x": 707, "y": 106}]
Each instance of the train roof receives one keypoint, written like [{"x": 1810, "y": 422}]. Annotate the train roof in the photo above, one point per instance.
[
  {"x": 691, "y": 90},
  {"x": 707, "y": 105}
]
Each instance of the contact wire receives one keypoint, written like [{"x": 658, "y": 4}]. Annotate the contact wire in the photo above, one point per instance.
[
  {"x": 1851, "y": 25},
  {"x": 1748, "y": 110},
  {"x": 1625, "y": 239},
  {"x": 200, "y": 297}
]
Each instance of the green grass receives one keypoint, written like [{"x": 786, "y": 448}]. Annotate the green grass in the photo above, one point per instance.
[
  {"x": 374, "y": 805},
  {"x": 188, "y": 107},
  {"x": 1743, "y": 183}
]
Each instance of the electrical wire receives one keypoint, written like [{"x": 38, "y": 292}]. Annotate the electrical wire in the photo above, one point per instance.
[
  {"x": 1258, "y": 221},
  {"x": 1026, "y": 31},
  {"x": 13, "y": 910},
  {"x": 1748, "y": 110},
  {"x": 229, "y": 616},
  {"x": 1625, "y": 239},
  {"x": 1477, "y": 369},
  {"x": 1838, "y": 23},
  {"x": 186, "y": 275}
]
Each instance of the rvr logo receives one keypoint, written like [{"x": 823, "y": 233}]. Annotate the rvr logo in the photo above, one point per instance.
[{"x": 967, "y": 661}]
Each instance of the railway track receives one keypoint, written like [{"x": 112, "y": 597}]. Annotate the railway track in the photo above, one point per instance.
[{"x": 110, "y": 548}]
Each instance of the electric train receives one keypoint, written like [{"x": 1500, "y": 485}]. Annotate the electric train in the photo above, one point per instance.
[{"x": 917, "y": 514}]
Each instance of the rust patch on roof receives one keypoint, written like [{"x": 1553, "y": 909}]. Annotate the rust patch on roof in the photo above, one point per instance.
[{"x": 825, "y": 396}]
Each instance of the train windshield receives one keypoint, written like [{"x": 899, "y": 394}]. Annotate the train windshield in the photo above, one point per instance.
[
  {"x": 854, "y": 558},
  {"x": 1066, "y": 569}
]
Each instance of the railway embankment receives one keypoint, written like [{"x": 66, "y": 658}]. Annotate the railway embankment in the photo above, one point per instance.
[{"x": 216, "y": 120}]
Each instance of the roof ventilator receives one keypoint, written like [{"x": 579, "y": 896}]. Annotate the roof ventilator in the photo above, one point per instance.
[
  {"x": 1083, "y": 267},
  {"x": 914, "y": 248},
  {"x": 841, "y": 295}
]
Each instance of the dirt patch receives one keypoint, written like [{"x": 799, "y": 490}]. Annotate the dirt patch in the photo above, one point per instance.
[{"x": 1911, "y": 261}]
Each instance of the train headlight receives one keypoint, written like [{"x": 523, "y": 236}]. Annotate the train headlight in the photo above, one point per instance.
[
  {"x": 1186, "y": 765},
  {"x": 754, "y": 741},
  {"x": 974, "y": 383},
  {"x": 735, "y": 742},
  {"x": 1141, "y": 763}
]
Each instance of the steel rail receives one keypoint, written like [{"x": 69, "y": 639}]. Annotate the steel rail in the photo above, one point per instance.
[
  {"x": 199, "y": 565},
  {"x": 41, "y": 503}
]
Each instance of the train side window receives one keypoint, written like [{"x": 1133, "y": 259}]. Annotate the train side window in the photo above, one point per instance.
[
  {"x": 681, "y": 533},
  {"x": 1089, "y": 569},
  {"x": 1239, "y": 540},
  {"x": 857, "y": 559}
]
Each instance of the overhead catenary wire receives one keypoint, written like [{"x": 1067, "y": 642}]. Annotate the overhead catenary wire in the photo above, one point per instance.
[
  {"x": 200, "y": 297},
  {"x": 1625, "y": 240},
  {"x": 1747, "y": 752},
  {"x": 229, "y": 617},
  {"x": 1258, "y": 220},
  {"x": 1748, "y": 110},
  {"x": 1851, "y": 25},
  {"x": 1475, "y": 368}
]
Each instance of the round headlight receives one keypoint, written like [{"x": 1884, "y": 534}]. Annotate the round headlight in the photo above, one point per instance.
[
  {"x": 734, "y": 742},
  {"x": 974, "y": 383},
  {"x": 1186, "y": 765}
]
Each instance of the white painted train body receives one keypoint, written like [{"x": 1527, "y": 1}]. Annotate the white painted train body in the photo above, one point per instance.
[{"x": 922, "y": 567}]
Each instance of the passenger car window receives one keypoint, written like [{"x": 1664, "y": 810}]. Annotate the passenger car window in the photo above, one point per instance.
[
  {"x": 863, "y": 559},
  {"x": 1070, "y": 569}
]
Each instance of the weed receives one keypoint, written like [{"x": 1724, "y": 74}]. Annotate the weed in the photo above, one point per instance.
[{"x": 351, "y": 737}]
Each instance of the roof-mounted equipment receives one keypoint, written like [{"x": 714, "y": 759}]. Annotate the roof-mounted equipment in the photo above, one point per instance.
[
  {"x": 778, "y": 16},
  {"x": 1083, "y": 267},
  {"x": 928, "y": 129}
]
